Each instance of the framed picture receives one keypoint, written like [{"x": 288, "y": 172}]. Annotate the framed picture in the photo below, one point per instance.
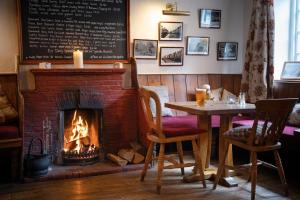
[
  {"x": 227, "y": 51},
  {"x": 170, "y": 31},
  {"x": 197, "y": 45},
  {"x": 210, "y": 18},
  {"x": 145, "y": 49},
  {"x": 171, "y": 56},
  {"x": 291, "y": 70}
]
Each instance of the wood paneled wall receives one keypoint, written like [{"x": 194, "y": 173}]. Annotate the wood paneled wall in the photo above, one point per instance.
[
  {"x": 182, "y": 86},
  {"x": 285, "y": 89}
]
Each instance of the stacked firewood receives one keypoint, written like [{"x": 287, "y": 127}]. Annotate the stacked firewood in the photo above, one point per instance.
[{"x": 133, "y": 155}]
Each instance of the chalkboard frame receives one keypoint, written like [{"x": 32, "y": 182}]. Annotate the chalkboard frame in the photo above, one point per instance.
[{"x": 53, "y": 61}]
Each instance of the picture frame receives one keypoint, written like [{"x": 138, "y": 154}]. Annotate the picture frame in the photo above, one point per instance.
[
  {"x": 171, "y": 56},
  {"x": 290, "y": 71},
  {"x": 196, "y": 45},
  {"x": 145, "y": 49},
  {"x": 170, "y": 31},
  {"x": 210, "y": 18},
  {"x": 227, "y": 51}
]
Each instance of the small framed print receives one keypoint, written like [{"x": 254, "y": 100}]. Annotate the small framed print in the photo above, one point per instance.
[
  {"x": 197, "y": 46},
  {"x": 290, "y": 71},
  {"x": 170, "y": 31},
  {"x": 227, "y": 50},
  {"x": 171, "y": 56},
  {"x": 145, "y": 49},
  {"x": 210, "y": 18}
]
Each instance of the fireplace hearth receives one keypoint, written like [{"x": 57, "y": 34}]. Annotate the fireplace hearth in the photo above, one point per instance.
[{"x": 99, "y": 89}]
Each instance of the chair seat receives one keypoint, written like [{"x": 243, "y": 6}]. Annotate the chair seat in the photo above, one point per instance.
[
  {"x": 8, "y": 132},
  {"x": 241, "y": 133},
  {"x": 180, "y": 126}
]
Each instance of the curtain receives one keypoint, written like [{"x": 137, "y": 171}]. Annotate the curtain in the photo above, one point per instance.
[{"x": 257, "y": 77}]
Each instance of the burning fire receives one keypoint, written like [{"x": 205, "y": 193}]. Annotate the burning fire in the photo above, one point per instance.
[{"x": 79, "y": 141}]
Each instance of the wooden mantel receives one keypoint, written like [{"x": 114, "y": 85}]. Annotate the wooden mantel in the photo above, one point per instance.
[{"x": 77, "y": 71}]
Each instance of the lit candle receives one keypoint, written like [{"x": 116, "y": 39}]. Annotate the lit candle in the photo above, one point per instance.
[{"x": 78, "y": 59}]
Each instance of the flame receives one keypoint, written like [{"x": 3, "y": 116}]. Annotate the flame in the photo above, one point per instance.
[
  {"x": 80, "y": 130},
  {"x": 80, "y": 137}
]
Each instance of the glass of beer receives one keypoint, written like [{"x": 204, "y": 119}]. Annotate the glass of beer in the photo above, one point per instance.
[{"x": 200, "y": 96}]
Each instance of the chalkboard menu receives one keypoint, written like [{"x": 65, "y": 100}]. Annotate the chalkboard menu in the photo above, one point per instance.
[{"x": 53, "y": 29}]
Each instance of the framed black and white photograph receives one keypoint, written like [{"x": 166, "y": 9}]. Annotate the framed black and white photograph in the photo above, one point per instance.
[
  {"x": 210, "y": 18},
  {"x": 171, "y": 56},
  {"x": 170, "y": 31},
  {"x": 291, "y": 70},
  {"x": 227, "y": 51},
  {"x": 145, "y": 49},
  {"x": 197, "y": 45}
]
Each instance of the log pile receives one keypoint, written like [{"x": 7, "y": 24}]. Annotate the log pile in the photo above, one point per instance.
[{"x": 133, "y": 155}]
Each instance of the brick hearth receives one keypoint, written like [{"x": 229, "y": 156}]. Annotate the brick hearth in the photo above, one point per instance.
[{"x": 119, "y": 105}]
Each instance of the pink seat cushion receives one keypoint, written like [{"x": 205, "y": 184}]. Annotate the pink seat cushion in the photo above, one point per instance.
[
  {"x": 8, "y": 132},
  {"x": 180, "y": 126},
  {"x": 288, "y": 130},
  {"x": 215, "y": 120}
]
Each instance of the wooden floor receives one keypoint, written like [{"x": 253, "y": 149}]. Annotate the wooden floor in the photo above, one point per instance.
[{"x": 126, "y": 186}]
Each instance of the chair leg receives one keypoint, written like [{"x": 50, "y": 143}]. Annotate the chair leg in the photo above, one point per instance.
[
  {"x": 147, "y": 160},
  {"x": 160, "y": 166},
  {"x": 180, "y": 154},
  {"x": 14, "y": 164},
  {"x": 281, "y": 171},
  {"x": 253, "y": 174},
  {"x": 249, "y": 176},
  {"x": 198, "y": 161},
  {"x": 221, "y": 166}
]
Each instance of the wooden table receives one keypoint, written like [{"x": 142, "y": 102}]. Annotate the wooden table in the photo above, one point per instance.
[{"x": 204, "y": 113}]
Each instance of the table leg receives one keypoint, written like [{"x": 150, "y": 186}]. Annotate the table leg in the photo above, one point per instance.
[
  {"x": 204, "y": 122},
  {"x": 226, "y": 124}
]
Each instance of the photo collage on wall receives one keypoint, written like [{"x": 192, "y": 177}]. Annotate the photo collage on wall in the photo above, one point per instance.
[{"x": 195, "y": 45}]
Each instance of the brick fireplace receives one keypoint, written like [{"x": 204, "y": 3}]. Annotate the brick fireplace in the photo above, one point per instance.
[{"x": 118, "y": 108}]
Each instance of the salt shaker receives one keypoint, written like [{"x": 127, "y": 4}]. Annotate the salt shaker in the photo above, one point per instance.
[{"x": 242, "y": 100}]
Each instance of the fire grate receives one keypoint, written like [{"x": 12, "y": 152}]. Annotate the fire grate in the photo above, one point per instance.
[{"x": 81, "y": 158}]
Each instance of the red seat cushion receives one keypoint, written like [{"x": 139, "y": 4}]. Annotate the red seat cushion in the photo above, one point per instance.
[
  {"x": 8, "y": 132},
  {"x": 187, "y": 125},
  {"x": 180, "y": 126}
]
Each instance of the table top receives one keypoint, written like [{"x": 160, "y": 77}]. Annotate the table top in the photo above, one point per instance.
[{"x": 211, "y": 108}]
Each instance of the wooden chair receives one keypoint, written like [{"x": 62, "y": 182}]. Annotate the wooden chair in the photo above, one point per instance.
[
  {"x": 157, "y": 134},
  {"x": 271, "y": 116},
  {"x": 11, "y": 134}
]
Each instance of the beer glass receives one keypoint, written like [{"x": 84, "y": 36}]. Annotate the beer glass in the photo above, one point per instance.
[{"x": 200, "y": 96}]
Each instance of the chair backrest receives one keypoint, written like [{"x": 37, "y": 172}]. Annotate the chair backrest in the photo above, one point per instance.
[
  {"x": 270, "y": 120},
  {"x": 154, "y": 122}
]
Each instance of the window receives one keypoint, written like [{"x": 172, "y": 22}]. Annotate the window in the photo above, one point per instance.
[
  {"x": 287, "y": 43},
  {"x": 294, "y": 53}
]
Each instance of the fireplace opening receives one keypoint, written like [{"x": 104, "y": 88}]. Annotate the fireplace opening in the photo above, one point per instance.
[
  {"x": 81, "y": 128},
  {"x": 81, "y": 137}
]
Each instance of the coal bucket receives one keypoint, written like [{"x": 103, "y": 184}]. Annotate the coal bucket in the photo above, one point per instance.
[{"x": 36, "y": 165}]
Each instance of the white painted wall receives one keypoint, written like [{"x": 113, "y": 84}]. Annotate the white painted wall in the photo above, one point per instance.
[
  {"x": 144, "y": 18},
  {"x": 146, "y": 14},
  {"x": 8, "y": 35}
]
